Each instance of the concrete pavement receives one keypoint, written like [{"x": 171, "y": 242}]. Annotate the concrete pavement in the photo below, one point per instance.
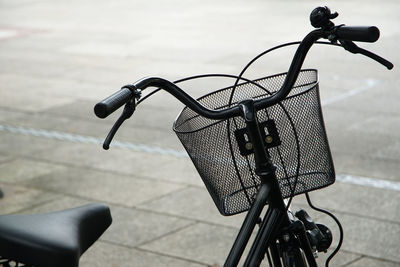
[{"x": 57, "y": 59}]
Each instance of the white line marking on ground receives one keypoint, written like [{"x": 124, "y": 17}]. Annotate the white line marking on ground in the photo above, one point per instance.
[
  {"x": 90, "y": 140},
  {"x": 369, "y": 182},
  {"x": 370, "y": 83},
  {"x": 5, "y": 34},
  {"x": 349, "y": 179}
]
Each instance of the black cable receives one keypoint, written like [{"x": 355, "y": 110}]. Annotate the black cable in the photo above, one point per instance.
[
  {"x": 239, "y": 77},
  {"x": 201, "y": 76},
  {"x": 266, "y": 52},
  {"x": 236, "y": 84},
  {"x": 338, "y": 224},
  {"x": 233, "y": 91},
  {"x": 232, "y": 151}
]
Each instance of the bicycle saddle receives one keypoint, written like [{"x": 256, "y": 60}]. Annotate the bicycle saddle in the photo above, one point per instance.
[{"x": 52, "y": 239}]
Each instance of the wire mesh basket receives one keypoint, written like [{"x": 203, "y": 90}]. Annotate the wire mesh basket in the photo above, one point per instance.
[{"x": 294, "y": 133}]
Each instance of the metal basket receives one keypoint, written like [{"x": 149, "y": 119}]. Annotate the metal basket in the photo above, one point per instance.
[{"x": 294, "y": 130}]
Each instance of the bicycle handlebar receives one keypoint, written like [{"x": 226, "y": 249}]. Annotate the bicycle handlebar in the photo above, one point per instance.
[
  {"x": 320, "y": 16},
  {"x": 112, "y": 103},
  {"x": 358, "y": 33}
]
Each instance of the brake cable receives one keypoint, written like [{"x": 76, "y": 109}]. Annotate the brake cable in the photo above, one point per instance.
[{"x": 347, "y": 45}]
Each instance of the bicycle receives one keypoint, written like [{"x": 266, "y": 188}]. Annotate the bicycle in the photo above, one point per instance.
[
  {"x": 236, "y": 167},
  {"x": 258, "y": 122}
]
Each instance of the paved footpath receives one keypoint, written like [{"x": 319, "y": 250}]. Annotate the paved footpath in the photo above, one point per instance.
[{"x": 58, "y": 58}]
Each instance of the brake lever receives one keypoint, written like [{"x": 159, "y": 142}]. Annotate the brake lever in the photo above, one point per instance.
[
  {"x": 126, "y": 114},
  {"x": 353, "y": 48}
]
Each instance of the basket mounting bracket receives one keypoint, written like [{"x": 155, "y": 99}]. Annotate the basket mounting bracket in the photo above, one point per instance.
[{"x": 269, "y": 135}]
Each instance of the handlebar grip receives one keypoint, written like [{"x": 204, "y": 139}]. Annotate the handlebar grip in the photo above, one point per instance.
[
  {"x": 358, "y": 33},
  {"x": 112, "y": 103}
]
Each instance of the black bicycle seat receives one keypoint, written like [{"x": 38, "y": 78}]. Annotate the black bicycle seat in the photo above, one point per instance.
[{"x": 52, "y": 239}]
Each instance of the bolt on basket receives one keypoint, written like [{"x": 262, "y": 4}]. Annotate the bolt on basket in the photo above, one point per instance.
[{"x": 294, "y": 135}]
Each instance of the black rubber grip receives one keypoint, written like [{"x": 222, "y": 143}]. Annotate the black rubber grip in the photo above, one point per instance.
[
  {"x": 112, "y": 103},
  {"x": 358, "y": 33}
]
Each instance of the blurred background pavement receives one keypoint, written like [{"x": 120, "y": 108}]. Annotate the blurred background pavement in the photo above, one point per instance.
[{"x": 58, "y": 58}]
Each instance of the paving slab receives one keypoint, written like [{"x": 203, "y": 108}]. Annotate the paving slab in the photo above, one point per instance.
[
  {"x": 371, "y": 237},
  {"x": 201, "y": 242},
  {"x": 5, "y": 158},
  {"x": 366, "y": 236},
  {"x": 369, "y": 217},
  {"x": 366, "y": 166},
  {"x": 370, "y": 262},
  {"x": 34, "y": 100},
  {"x": 362, "y": 144},
  {"x": 6, "y": 114},
  {"x": 17, "y": 198},
  {"x": 102, "y": 186},
  {"x": 28, "y": 65},
  {"x": 23, "y": 145},
  {"x": 360, "y": 200},
  {"x": 383, "y": 99},
  {"x": 106, "y": 254},
  {"x": 20, "y": 170},
  {"x": 193, "y": 203},
  {"x": 82, "y": 110},
  {"x": 61, "y": 202},
  {"x": 342, "y": 258},
  {"x": 124, "y": 161},
  {"x": 58, "y": 59},
  {"x": 94, "y": 127},
  {"x": 132, "y": 227}
]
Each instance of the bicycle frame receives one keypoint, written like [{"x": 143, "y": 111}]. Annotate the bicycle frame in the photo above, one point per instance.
[{"x": 276, "y": 222}]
